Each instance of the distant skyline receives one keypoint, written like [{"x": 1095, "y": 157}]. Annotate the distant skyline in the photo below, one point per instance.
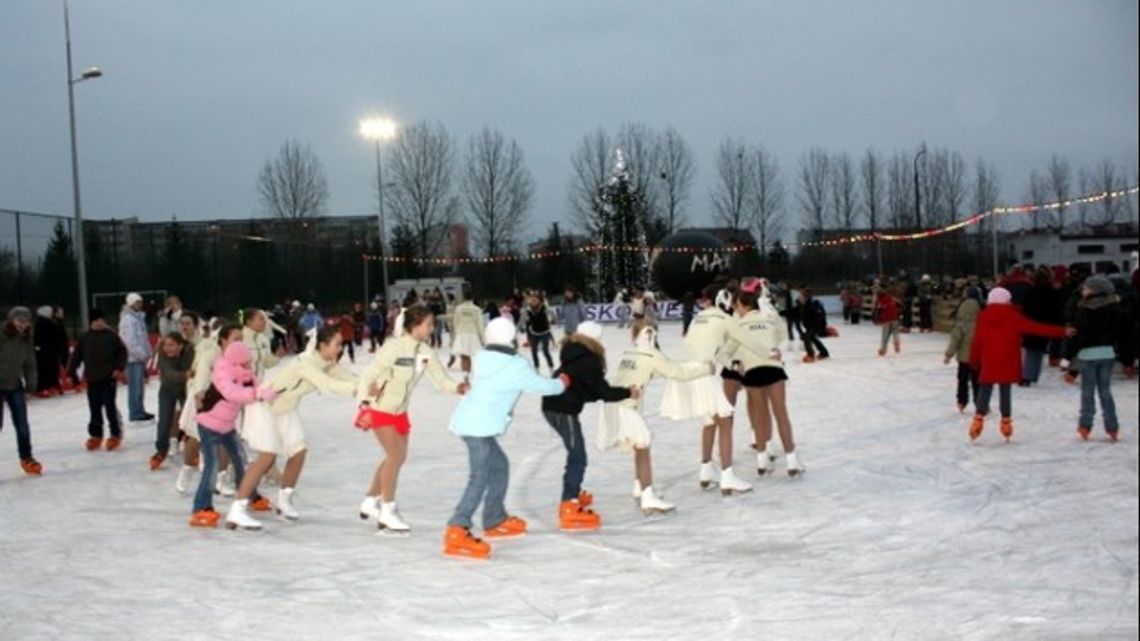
[{"x": 197, "y": 96}]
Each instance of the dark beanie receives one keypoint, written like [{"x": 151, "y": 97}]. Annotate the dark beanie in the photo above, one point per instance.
[
  {"x": 1100, "y": 284},
  {"x": 97, "y": 314}
]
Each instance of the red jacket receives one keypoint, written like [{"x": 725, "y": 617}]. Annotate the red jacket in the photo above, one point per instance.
[
  {"x": 886, "y": 309},
  {"x": 346, "y": 327},
  {"x": 996, "y": 350}
]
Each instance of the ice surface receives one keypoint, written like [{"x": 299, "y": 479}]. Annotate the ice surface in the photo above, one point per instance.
[{"x": 900, "y": 530}]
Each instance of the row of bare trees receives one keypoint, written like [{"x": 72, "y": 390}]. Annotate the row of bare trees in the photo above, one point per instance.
[{"x": 1056, "y": 183}]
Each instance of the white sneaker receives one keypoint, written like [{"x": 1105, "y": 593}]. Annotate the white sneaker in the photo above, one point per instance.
[
  {"x": 652, "y": 504},
  {"x": 185, "y": 475},
  {"x": 795, "y": 468},
  {"x": 284, "y": 504},
  {"x": 223, "y": 485},
  {"x": 708, "y": 475},
  {"x": 730, "y": 485},
  {"x": 390, "y": 520},
  {"x": 636, "y": 490},
  {"x": 370, "y": 508},
  {"x": 239, "y": 518}
]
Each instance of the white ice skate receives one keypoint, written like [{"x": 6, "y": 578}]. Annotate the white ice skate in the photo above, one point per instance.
[
  {"x": 764, "y": 464},
  {"x": 185, "y": 476},
  {"x": 795, "y": 468},
  {"x": 223, "y": 486},
  {"x": 730, "y": 484},
  {"x": 389, "y": 520},
  {"x": 653, "y": 504},
  {"x": 708, "y": 475},
  {"x": 284, "y": 504},
  {"x": 370, "y": 508},
  {"x": 238, "y": 517}
]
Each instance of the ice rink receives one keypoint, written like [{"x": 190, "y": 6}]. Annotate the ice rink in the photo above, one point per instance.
[{"x": 901, "y": 529}]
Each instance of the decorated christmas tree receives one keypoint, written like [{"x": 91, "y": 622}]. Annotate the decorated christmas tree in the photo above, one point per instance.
[{"x": 622, "y": 258}]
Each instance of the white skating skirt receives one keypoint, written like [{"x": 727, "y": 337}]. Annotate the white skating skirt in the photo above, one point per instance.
[
  {"x": 188, "y": 419},
  {"x": 699, "y": 398},
  {"x": 621, "y": 426},
  {"x": 465, "y": 345},
  {"x": 269, "y": 433}
]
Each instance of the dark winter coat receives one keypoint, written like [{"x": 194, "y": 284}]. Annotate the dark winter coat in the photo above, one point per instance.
[
  {"x": 1100, "y": 321},
  {"x": 1042, "y": 304},
  {"x": 814, "y": 317},
  {"x": 50, "y": 341},
  {"x": 535, "y": 320},
  {"x": 583, "y": 360},
  {"x": 172, "y": 371},
  {"x": 996, "y": 350},
  {"x": 17, "y": 359},
  {"x": 101, "y": 353}
]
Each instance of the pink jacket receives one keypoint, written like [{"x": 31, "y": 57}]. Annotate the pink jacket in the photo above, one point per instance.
[{"x": 238, "y": 386}]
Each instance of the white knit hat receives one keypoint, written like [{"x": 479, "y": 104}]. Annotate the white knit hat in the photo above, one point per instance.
[
  {"x": 591, "y": 329},
  {"x": 500, "y": 332},
  {"x": 44, "y": 311},
  {"x": 999, "y": 296},
  {"x": 133, "y": 298}
]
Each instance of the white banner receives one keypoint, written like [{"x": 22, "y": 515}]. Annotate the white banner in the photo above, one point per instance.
[{"x": 620, "y": 312}]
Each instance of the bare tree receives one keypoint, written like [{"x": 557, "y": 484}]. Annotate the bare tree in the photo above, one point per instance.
[
  {"x": 731, "y": 194},
  {"x": 932, "y": 182},
  {"x": 1035, "y": 194},
  {"x": 766, "y": 198},
  {"x": 814, "y": 187},
  {"x": 900, "y": 201},
  {"x": 677, "y": 170},
  {"x": 1058, "y": 179},
  {"x": 1085, "y": 184},
  {"x": 844, "y": 194},
  {"x": 292, "y": 186},
  {"x": 421, "y": 197},
  {"x": 1107, "y": 180},
  {"x": 954, "y": 186},
  {"x": 640, "y": 146},
  {"x": 871, "y": 171},
  {"x": 497, "y": 188},
  {"x": 590, "y": 167}
]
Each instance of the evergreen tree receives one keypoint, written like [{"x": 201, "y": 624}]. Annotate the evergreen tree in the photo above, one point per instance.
[
  {"x": 59, "y": 278},
  {"x": 621, "y": 214},
  {"x": 181, "y": 266}
]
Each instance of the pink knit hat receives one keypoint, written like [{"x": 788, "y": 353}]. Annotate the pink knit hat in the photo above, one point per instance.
[
  {"x": 999, "y": 296},
  {"x": 237, "y": 353}
]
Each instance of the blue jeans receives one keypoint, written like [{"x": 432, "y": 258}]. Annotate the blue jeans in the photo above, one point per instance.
[
  {"x": 1031, "y": 367},
  {"x": 204, "y": 497},
  {"x": 570, "y": 429},
  {"x": 1005, "y": 399},
  {"x": 1096, "y": 380},
  {"x": 17, "y": 404},
  {"x": 136, "y": 388},
  {"x": 486, "y": 483},
  {"x": 540, "y": 341},
  {"x": 100, "y": 401}
]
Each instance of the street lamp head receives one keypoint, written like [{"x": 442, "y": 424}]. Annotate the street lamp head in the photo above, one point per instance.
[
  {"x": 90, "y": 73},
  {"x": 378, "y": 128}
]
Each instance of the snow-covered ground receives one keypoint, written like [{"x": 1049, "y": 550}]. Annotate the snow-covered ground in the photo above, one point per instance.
[{"x": 901, "y": 529}]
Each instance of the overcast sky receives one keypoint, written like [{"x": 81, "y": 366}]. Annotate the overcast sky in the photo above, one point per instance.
[{"x": 198, "y": 94}]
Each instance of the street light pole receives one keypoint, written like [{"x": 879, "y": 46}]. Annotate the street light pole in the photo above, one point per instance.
[
  {"x": 80, "y": 246},
  {"x": 383, "y": 225},
  {"x": 917, "y": 202}
]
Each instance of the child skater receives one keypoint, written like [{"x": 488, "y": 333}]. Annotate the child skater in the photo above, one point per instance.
[
  {"x": 219, "y": 335},
  {"x": 483, "y": 415},
  {"x": 103, "y": 357},
  {"x": 274, "y": 429},
  {"x": 384, "y": 392},
  {"x": 584, "y": 360},
  {"x": 232, "y": 386},
  {"x": 175, "y": 358},
  {"x": 622, "y": 424},
  {"x": 1100, "y": 324},
  {"x": 996, "y": 354},
  {"x": 467, "y": 331},
  {"x": 961, "y": 338},
  {"x": 887, "y": 312}
]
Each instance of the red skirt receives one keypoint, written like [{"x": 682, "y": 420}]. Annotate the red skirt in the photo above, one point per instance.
[{"x": 370, "y": 419}]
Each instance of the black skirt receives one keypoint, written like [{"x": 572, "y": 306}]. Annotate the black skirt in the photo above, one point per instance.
[
  {"x": 731, "y": 375},
  {"x": 764, "y": 376}
]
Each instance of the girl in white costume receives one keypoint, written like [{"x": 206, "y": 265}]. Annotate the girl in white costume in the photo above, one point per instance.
[
  {"x": 704, "y": 397},
  {"x": 274, "y": 429},
  {"x": 466, "y": 331},
  {"x": 384, "y": 393},
  {"x": 622, "y": 424}
]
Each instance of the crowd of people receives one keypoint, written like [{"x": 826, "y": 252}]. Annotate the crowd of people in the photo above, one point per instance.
[{"x": 229, "y": 390}]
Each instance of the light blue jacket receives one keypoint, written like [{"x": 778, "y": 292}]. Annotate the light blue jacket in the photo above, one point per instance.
[
  {"x": 500, "y": 377},
  {"x": 132, "y": 330}
]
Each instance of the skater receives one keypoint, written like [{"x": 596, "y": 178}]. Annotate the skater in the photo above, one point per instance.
[
  {"x": 347, "y": 328},
  {"x": 17, "y": 378},
  {"x": 996, "y": 354},
  {"x": 789, "y": 305},
  {"x": 814, "y": 326},
  {"x": 583, "y": 359},
  {"x": 535, "y": 323},
  {"x": 573, "y": 311},
  {"x": 961, "y": 338},
  {"x": 888, "y": 310},
  {"x": 132, "y": 330},
  {"x": 359, "y": 322},
  {"x": 233, "y": 385},
  {"x": 384, "y": 392},
  {"x": 622, "y": 424},
  {"x": 765, "y": 381},
  {"x": 467, "y": 334},
  {"x": 274, "y": 428},
  {"x": 438, "y": 309},
  {"x": 206, "y": 353},
  {"x": 50, "y": 340},
  {"x": 483, "y": 415},
  {"x": 704, "y": 398},
  {"x": 169, "y": 316},
  {"x": 255, "y": 335},
  {"x": 1101, "y": 326},
  {"x": 1042, "y": 304},
  {"x": 925, "y": 304},
  {"x": 376, "y": 322},
  {"x": 103, "y": 357},
  {"x": 175, "y": 358}
]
